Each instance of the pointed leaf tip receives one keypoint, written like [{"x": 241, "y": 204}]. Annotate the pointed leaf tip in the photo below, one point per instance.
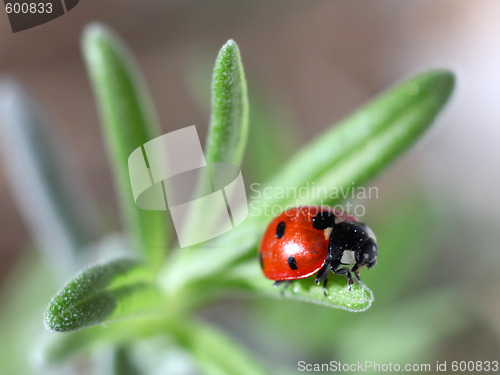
[
  {"x": 227, "y": 137},
  {"x": 440, "y": 82}
]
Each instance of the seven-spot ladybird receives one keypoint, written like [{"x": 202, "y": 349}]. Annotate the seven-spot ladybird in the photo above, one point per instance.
[{"x": 306, "y": 240}]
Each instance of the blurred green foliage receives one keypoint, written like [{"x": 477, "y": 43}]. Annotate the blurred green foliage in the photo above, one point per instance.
[{"x": 149, "y": 297}]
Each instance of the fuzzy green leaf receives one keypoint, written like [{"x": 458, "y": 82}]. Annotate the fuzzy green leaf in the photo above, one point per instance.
[
  {"x": 269, "y": 118},
  {"x": 338, "y": 295},
  {"x": 128, "y": 122},
  {"x": 103, "y": 292},
  {"x": 227, "y": 136},
  {"x": 248, "y": 276},
  {"x": 365, "y": 143}
]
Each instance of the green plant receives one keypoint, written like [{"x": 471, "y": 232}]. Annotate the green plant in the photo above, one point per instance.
[{"x": 158, "y": 290}]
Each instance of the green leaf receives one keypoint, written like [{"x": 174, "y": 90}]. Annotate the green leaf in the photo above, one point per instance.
[
  {"x": 248, "y": 276},
  {"x": 103, "y": 292},
  {"x": 50, "y": 195},
  {"x": 269, "y": 118},
  {"x": 209, "y": 261},
  {"x": 365, "y": 143},
  {"x": 227, "y": 136},
  {"x": 128, "y": 122}
]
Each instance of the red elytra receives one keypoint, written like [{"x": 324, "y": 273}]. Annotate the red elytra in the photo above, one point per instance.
[{"x": 292, "y": 248}]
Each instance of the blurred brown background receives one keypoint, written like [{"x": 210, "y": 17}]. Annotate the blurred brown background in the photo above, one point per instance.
[{"x": 321, "y": 58}]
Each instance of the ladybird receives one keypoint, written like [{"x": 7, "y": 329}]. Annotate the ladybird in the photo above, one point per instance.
[{"x": 309, "y": 240}]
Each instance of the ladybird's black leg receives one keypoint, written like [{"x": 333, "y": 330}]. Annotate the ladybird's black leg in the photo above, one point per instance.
[
  {"x": 323, "y": 272},
  {"x": 285, "y": 283},
  {"x": 322, "y": 275},
  {"x": 345, "y": 271},
  {"x": 280, "y": 282},
  {"x": 322, "y": 221},
  {"x": 330, "y": 264},
  {"x": 355, "y": 271},
  {"x": 325, "y": 283}
]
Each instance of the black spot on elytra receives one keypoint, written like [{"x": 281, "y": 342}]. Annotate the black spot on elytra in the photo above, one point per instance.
[
  {"x": 261, "y": 261},
  {"x": 292, "y": 263},
  {"x": 280, "y": 229}
]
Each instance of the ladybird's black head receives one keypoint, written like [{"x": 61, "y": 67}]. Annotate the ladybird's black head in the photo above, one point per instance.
[{"x": 353, "y": 243}]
